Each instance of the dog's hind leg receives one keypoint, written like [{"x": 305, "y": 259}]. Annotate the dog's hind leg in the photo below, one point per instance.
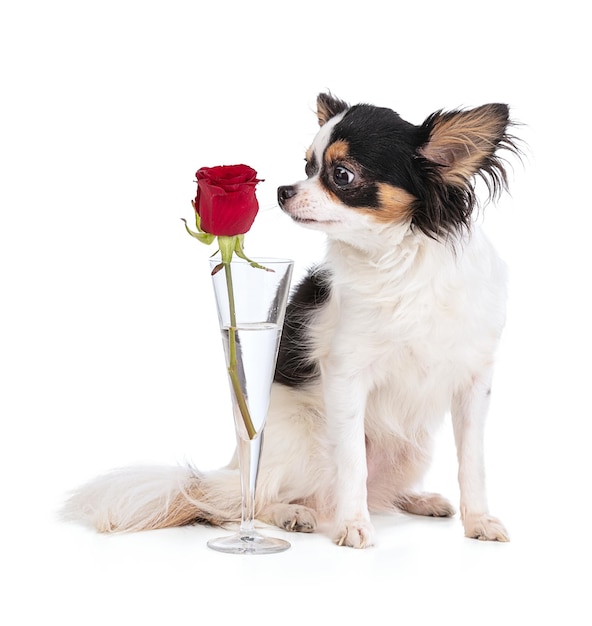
[
  {"x": 294, "y": 482},
  {"x": 292, "y": 517},
  {"x": 430, "y": 504}
]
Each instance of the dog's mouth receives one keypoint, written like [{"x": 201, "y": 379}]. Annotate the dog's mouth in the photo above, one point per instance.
[{"x": 309, "y": 220}]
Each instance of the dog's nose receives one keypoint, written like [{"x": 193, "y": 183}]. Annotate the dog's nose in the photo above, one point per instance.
[{"x": 285, "y": 192}]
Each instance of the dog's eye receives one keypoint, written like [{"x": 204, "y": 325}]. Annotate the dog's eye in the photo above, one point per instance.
[{"x": 342, "y": 176}]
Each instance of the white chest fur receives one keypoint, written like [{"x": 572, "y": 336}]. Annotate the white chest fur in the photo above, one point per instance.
[{"x": 412, "y": 326}]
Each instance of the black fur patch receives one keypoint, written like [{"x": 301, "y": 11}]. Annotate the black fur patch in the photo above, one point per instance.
[
  {"x": 386, "y": 149},
  {"x": 294, "y": 365},
  {"x": 384, "y": 146}
]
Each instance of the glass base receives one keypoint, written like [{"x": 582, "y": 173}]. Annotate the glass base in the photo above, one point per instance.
[{"x": 248, "y": 543}]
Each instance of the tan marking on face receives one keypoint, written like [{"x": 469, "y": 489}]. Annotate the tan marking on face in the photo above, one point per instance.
[
  {"x": 337, "y": 151},
  {"x": 394, "y": 205},
  {"x": 308, "y": 155}
]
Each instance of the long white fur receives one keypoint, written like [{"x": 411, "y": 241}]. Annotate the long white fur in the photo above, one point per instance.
[
  {"x": 408, "y": 334},
  {"x": 131, "y": 498}
]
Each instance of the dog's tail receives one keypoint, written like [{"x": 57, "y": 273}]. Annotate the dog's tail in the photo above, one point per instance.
[{"x": 146, "y": 498}]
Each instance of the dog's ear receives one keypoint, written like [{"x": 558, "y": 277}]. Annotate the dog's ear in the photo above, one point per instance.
[
  {"x": 456, "y": 147},
  {"x": 463, "y": 143},
  {"x": 328, "y": 107}
]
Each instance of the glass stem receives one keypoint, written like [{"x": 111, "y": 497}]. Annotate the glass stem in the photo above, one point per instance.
[{"x": 249, "y": 451}]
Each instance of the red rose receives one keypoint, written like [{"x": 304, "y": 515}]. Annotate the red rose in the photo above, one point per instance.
[{"x": 225, "y": 200}]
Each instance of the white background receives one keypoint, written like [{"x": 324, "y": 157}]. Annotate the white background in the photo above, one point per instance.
[{"x": 109, "y": 351}]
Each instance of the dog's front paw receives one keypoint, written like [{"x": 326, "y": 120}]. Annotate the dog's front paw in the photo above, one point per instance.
[
  {"x": 355, "y": 534},
  {"x": 485, "y": 527}
]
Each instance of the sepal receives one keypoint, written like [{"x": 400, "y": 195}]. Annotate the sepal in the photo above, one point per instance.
[
  {"x": 200, "y": 236},
  {"x": 241, "y": 253}
]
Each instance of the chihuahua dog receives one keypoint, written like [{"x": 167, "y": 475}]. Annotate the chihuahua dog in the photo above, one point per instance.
[{"x": 394, "y": 329}]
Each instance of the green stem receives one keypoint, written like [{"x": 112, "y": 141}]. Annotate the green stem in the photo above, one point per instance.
[{"x": 232, "y": 361}]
